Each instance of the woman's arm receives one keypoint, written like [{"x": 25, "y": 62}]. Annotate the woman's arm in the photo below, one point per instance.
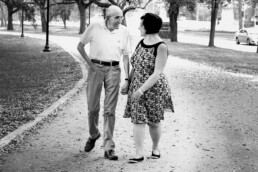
[{"x": 160, "y": 64}]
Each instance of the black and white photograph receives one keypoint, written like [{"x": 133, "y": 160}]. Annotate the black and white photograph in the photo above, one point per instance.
[{"x": 128, "y": 85}]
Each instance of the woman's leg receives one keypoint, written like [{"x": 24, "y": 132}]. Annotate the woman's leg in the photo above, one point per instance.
[
  {"x": 139, "y": 135},
  {"x": 155, "y": 133}
]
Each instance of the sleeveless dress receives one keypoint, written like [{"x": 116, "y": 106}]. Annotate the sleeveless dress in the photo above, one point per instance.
[{"x": 151, "y": 105}]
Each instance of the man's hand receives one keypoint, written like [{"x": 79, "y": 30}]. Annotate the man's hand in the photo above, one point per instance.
[
  {"x": 125, "y": 88},
  {"x": 93, "y": 67}
]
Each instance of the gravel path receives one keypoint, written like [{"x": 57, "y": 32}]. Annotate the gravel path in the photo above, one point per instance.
[{"x": 214, "y": 129}]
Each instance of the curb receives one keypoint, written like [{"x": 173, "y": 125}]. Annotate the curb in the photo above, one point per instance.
[{"x": 22, "y": 130}]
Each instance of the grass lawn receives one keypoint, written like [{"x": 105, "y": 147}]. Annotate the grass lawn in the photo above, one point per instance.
[
  {"x": 31, "y": 80},
  {"x": 230, "y": 60}
]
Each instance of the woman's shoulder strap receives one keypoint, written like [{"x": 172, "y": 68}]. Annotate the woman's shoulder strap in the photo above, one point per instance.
[
  {"x": 139, "y": 42},
  {"x": 157, "y": 46}
]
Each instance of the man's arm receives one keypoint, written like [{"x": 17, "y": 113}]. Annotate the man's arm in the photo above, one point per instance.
[
  {"x": 80, "y": 48},
  {"x": 126, "y": 65},
  {"x": 124, "y": 89}
]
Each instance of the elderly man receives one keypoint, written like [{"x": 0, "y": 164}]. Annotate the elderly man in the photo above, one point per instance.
[{"x": 109, "y": 41}]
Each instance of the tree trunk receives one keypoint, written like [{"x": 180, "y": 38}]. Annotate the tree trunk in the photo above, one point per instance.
[
  {"x": 82, "y": 12},
  {"x": 2, "y": 14},
  {"x": 43, "y": 21},
  {"x": 64, "y": 21},
  {"x": 10, "y": 19},
  {"x": 173, "y": 24},
  {"x": 214, "y": 12},
  {"x": 240, "y": 14},
  {"x": 2, "y": 22},
  {"x": 20, "y": 18}
]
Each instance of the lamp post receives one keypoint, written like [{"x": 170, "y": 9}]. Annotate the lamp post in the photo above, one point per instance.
[
  {"x": 24, "y": 2},
  {"x": 47, "y": 49}
]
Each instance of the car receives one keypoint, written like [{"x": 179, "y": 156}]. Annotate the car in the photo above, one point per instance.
[{"x": 247, "y": 35}]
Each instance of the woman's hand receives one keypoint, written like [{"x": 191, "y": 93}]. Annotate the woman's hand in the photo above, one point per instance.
[{"x": 136, "y": 95}]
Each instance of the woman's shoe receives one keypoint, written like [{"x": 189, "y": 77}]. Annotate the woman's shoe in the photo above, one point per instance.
[
  {"x": 155, "y": 156},
  {"x": 135, "y": 160}
]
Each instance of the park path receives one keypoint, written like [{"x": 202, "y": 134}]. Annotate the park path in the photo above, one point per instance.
[{"x": 214, "y": 128}]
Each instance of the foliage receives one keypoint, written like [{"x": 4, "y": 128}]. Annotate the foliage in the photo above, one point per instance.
[
  {"x": 3, "y": 14},
  {"x": 173, "y": 5},
  {"x": 125, "y": 5},
  {"x": 29, "y": 12},
  {"x": 14, "y": 6},
  {"x": 13, "y": 3},
  {"x": 61, "y": 10}
]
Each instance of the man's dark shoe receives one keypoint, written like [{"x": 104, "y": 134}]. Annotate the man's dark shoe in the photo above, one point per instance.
[
  {"x": 90, "y": 144},
  {"x": 110, "y": 154}
]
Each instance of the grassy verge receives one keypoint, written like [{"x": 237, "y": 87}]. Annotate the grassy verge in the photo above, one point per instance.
[
  {"x": 231, "y": 60},
  {"x": 57, "y": 30},
  {"x": 31, "y": 80}
]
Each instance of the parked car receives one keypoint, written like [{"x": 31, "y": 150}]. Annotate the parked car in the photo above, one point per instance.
[{"x": 247, "y": 35}]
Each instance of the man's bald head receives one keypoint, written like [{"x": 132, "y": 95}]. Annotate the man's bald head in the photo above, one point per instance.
[{"x": 114, "y": 10}]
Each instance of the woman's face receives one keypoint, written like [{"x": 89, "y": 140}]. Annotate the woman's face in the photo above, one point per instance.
[{"x": 142, "y": 29}]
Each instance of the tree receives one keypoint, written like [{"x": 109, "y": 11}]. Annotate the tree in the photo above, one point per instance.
[
  {"x": 13, "y": 6},
  {"x": 214, "y": 12},
  {"x": 125, "y": 5},
  {"x": 61, "y": 10},
  {"x": 28, "y": 12},
  {"x": 215, "y": 6},
  {"x": 253, "y": 4},
  {"x": 41, "y": 7},
  {"x": 240, "y": 14},
  {"x": 3, "y": 15},
  {"x": 82, "y": 6},
  {"x": 173, "y": 11}
]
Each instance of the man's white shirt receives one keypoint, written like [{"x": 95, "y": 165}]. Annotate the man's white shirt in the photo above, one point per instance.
[{"x": 106, "y": 45}]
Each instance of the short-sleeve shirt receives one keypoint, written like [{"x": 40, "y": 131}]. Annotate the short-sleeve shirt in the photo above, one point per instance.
[{"x": 106, "y": 45}]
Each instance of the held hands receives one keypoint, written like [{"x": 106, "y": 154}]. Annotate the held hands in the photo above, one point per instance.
[{"x": 125, "y": 88}]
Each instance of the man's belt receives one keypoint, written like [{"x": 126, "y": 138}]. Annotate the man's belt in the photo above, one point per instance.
[{"x": 113, "y": 63}]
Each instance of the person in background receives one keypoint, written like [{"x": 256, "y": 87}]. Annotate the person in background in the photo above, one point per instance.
[
  {"x": 149, "y": 93},
  {"x": 109, "y": 41}
]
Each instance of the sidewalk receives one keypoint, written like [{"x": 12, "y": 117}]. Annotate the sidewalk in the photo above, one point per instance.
[{"x": 214, "y": 129}]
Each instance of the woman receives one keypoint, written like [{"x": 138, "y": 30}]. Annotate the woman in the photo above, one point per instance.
[{"x": 149, "y": 93}]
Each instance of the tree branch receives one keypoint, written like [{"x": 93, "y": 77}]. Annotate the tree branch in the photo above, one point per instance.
[
  {"x": 113, "y": 2},
  {"x": 134, "y": 7},
  {"x": 64, "y": 2},
  {"x": 100, "y": 4}
]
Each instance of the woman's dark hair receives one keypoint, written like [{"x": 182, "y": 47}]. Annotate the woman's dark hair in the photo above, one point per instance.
[{"x": 152, "y": 23}]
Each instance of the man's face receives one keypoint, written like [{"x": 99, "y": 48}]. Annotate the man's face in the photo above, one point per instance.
[{"x": 115, "y": 20}]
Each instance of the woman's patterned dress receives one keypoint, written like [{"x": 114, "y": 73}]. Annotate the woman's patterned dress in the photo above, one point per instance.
[{"x": 151, "y": 105}]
